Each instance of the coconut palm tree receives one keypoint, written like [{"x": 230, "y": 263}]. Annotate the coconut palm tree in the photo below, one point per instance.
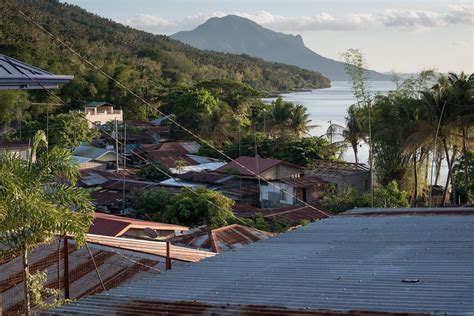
[
  {"x": 219, "y": 125},
  {"x": 461, "y": 94},
  {"x": 299, "y": 121},
  {"x": 35, "y": 207}
]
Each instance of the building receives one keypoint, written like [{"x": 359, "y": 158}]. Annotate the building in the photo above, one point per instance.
[
  {"x": 280, "y": 183},
  {"x": 220, "y": 239},
  {"x": 20, "y": 149},
  {"x": 100, "y": 113},
  {"x": 342, "y": 174},
  {"x": 118, "y": 226},
  {"x": 102, "y": 156},
  {"x": 268, "y": 169},
  {"x": 363, "y": 262},
  {"x": 119, "y": 261}
]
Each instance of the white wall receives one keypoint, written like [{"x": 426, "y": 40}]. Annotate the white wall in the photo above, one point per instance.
[{"x": 266, "y": 190}]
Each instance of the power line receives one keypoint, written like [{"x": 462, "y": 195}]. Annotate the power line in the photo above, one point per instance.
[{"x": 157, "y": 110}]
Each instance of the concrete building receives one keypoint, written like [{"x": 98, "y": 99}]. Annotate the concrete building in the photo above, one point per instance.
[{"x": 101, "y": 113}]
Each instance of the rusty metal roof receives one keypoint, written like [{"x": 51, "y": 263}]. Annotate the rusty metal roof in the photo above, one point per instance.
[
  {"x": 253, "y": 165},
  {"x": 290, "y": 215},
  {"x": 156, "y": 248},
  {"x": 406, "y": 264},
  {"x": 224, "y": 238},
  {"x": 112, "y": 266},
  {"x": 115, "y": 226}
]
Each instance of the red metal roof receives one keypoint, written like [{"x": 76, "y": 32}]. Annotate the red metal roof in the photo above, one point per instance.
[
  {"x": 255, "y": 165},
  {"x": 223, "y": 238},
  {"x": 114, "y": 269},
  {"x": 291, "y": 215}
]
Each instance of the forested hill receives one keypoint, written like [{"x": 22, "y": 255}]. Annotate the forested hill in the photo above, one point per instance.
[{"x": 141, "y": 60}]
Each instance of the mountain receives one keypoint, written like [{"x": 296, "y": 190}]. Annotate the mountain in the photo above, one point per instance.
[
  {"x": 141, "y": 60},
  {"x": 238, "y": 35}
]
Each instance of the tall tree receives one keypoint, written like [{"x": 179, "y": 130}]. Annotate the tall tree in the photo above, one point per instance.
[{"x": 35, "y": 207}]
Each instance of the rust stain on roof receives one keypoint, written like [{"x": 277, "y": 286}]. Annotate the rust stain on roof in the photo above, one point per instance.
[{"x": 156, "y": 248}]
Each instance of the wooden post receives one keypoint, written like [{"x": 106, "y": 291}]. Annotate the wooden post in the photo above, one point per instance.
[
  {"x": 168, "y": 258},
  {"x": 66, "y": 268}
]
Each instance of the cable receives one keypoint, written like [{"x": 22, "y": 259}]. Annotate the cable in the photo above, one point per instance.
[
  {"x": 95, "y": 266},
  {"x": 157, "y": 110},
  {"x": 133, "y": 152}
]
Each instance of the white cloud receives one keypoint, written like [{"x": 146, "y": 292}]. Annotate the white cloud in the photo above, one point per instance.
[{"x": 405, "y": 20}]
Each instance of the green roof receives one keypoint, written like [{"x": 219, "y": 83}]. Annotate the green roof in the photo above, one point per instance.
[{"x": 96, "y": 104}]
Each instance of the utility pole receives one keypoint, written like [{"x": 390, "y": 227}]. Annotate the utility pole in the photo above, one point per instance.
[
  {"x": 124, "y": 163},
  {"x": 371, "y": 164},
  {"x": 67, "y": 294},
  {"x": 116, "y": 146},
  {"x": 330, "y": 131}
]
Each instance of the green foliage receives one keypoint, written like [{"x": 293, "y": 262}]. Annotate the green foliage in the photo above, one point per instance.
[
  {"x": 186, "y": 208},
  {"x": 391, "y": 196},
  {"x": 35, "y": 207},
  {"x": 144, "y": 62},
  {"x": 465, "y": 194},
  {"x": 13, "y": 106},
  {"x": 152, "y": 172},
  {"x": 299, "y": 151},
  {"x": 346, "y": 199},
  {"x": 198, "y": 208},
  {"x": 36, "y": 286},
  {"x": 149, "y": 204},
  {"x": 64, "y": 130}
]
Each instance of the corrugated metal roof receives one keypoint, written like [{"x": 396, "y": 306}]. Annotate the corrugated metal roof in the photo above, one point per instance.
[
  {"x": 115, "y": 226},
  {"x": 253, "y": 165},
  {"x": 114, "y": 270},
  {"x": 92, "y": 152},
  {"x": 156, "y": 248},
  {"x": 359, "y": 263},
  {"x": 225, "y": 238},
  {"x": 17, "y": 75}
]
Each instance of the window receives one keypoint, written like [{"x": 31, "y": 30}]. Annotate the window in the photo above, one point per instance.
[{"x": 282, "y": 195}]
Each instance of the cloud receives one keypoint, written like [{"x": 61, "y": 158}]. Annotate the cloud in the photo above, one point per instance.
[
  {"x": 404, "y": 20},
  {"x": 411, "y": 19},
  {"x": 460, "y": 14}
]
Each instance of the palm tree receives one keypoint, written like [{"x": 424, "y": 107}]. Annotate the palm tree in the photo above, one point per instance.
[
  {"x": 299, "y": 121},
  {"x": 36, "y": 207},
  {"x": 219, "y": 125},
  {"x": 462, "y": 96},
  {"x": 352, "y": 134}
]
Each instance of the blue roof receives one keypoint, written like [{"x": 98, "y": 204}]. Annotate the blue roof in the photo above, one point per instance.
[
  {"x": 421, "y": 262},
  {"x": 17, "y": 75}
]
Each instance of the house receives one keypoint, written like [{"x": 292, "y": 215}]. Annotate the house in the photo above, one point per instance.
[
  {"x": 179, "y": 157},
  {"x": 280, "y": 183},
  {"x": 362, "y": 262},
  {"x": 101, "y": 113},
  {"x": 342, "y": 173},
  {"x": 19, "y": 148},
  {"x": 88, "y": 163},
  {"x": 268, "y": 169},
  {"x": 220, "y": 239},
  {"x": 119, "y": 226},
  {"x": 156, "y": 133},
  {"x": 106, "y": 157},
  {"x": 117, "y": 261}
]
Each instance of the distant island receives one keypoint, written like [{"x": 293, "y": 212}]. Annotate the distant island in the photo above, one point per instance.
[{"x": 238, "y": 35}]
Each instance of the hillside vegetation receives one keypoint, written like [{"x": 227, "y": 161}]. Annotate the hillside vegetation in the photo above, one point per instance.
[{"x": 144, "y": 62}]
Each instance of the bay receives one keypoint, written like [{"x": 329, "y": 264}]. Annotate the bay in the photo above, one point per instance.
[{"x": 329, "y": 106}]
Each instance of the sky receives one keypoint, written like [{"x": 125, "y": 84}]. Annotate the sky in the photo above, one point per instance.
[{"x": 401, "y": 36}]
